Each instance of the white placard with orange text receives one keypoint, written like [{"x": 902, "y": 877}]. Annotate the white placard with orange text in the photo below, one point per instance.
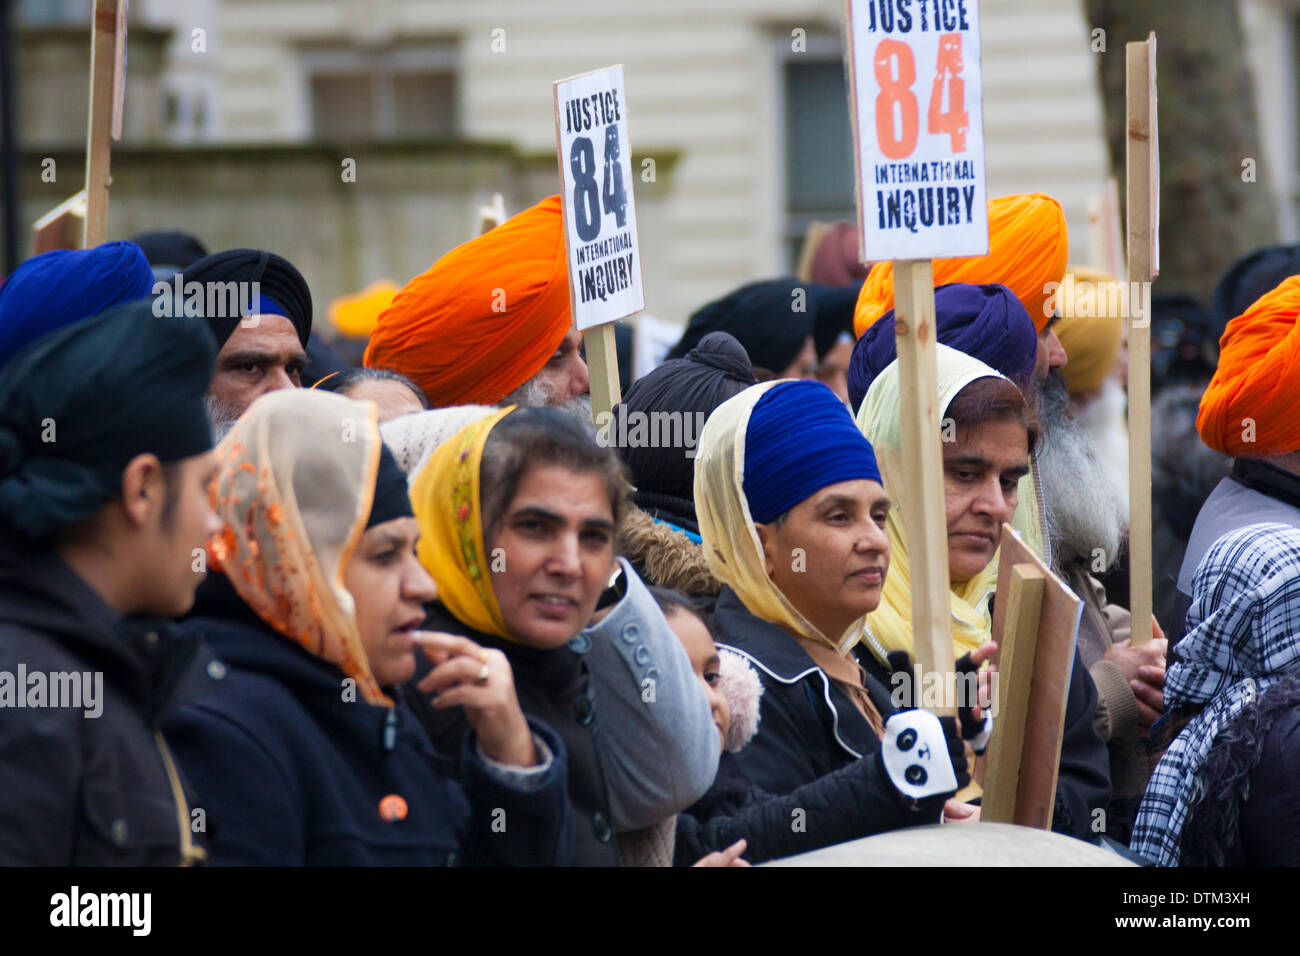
[{"x": 918, "y": 128}]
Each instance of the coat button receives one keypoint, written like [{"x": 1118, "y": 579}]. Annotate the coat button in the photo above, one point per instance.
[
  {"x": 392, "y": 808},
  {"x": 586, "y": 710},
  {"x": 151, "y": 638},
  {"x": 601, "y": 827},
  {"x": 119, "y": 831},
  {"x": 580, "y": 644},
  {"x": 630, "y": 633},
  {"x": 641, "y": 655},
  {"x": 216, "y": 670}
]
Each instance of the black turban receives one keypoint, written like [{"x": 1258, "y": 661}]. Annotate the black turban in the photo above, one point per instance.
[
  {"x": 170, "y": 250},
  {"x": 283, "y": 290},
  {"x": 768, "y": 318},
  {"x": 79, "y": 403},
  {"x": 833, "y": 308},
  {"x": 693, "y": 386},
  {"x": 1249, "y": 278}
]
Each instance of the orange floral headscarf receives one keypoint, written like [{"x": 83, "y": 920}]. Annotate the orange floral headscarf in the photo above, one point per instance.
[{"x": 294, "y": 491}]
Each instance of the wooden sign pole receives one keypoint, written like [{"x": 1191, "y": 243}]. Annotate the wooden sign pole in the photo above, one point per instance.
[
  {"x": 492, "y": 215},
  {"x": 602, "y": 368},
  {"x": 924, "y": 514},
  {"x": 1143, "y": 223},
  {"x": 107, "y": 76},
  {"x": 63, "y": 227}
]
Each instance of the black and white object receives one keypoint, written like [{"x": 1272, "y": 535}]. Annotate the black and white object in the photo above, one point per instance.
[{"x": 915, "y": 754}]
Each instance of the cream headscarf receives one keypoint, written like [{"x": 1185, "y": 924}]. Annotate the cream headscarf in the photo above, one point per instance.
[
  {"x": 294, "y": 491},
  {"x": 731, "y": 545},
  {"x": 889, "y": 627}
]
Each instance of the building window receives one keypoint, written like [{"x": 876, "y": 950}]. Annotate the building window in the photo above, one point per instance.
[
  {"x": 55, "y": 12},
  {"x": 818, "y": 140},
  {"x": 400, "y": 93}
]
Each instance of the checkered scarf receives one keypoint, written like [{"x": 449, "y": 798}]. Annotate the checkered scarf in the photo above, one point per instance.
[{"x": 1243, "y": 634}]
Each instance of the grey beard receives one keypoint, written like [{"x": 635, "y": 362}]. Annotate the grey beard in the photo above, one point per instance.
[
  {"x": 537, "y": 392},
  {"x": 1083, "y": 511},
  {"x": 221, "y": 417}
]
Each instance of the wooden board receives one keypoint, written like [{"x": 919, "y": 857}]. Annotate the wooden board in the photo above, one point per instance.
[
  {"x": 1143, "y": 229},
  {"x": 107, "y": 79},
  {"x": 63, "y": 227},
  {"x": 1041, "y": 690},
  {"x": 924, "y": 514}
]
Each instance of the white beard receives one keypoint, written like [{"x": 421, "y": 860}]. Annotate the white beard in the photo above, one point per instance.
[
  {"x": 537, "y": 392},
  {"x": 221, "y": 417},
  {"x": 1083, "y": 508}
]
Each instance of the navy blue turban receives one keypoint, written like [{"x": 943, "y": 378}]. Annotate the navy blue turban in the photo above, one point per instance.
[
  {"x": 765, "y": 317},
  {"x": 59, "y": 288},
  {"x": 801, "y": 439},
  {"x": 986, "y": 322},
  {"x": 283, "y": 290},
  {"x": 78, "y": 405}
]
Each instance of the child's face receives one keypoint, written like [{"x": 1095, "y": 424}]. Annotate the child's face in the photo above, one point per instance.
[{"x": 690, "y": 630}]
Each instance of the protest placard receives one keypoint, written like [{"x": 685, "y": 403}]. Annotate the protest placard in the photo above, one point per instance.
[
  {"x": 921, "y": 195},
  {"x": 596, "y": 190},
  {"x": 915, "y": 80}
]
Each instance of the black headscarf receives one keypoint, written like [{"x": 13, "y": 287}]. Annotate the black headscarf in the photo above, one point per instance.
[
  {"x": 282, "y": 287},
  {"x": 707, "y": 376},
  {"x": 391, "y": 499},
  {"x": 769, "y": 320},
  {"x": 79, "y": 403}
]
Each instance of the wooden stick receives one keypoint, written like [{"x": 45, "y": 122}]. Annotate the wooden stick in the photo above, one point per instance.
[
  {"x": 924, "y": 514},
  {"x": 492, "y": 215},
  {"x": 105, "y": 70},
  {"x": 1015, "y": 675},
  {"x": 63, "y": 227},
  {"x": 602, "y": 366},
  {"x": 1142, "y": 227}
]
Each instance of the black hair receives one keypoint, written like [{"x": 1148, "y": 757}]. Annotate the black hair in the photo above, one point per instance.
[
  {"x": 675, "y": 602},
  {"x": 344, "y": 382},
  {"x": 529, "y": 437}
]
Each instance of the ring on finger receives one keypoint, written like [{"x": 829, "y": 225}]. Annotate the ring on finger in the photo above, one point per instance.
[{"x": 483, "y": 674}]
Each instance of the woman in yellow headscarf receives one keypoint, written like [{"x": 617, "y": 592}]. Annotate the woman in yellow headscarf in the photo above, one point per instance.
[
  {"x": 988, "y": 434},
  {"x": 517, "y": 514}
]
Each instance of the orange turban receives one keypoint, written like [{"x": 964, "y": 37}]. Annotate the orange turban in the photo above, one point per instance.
[
  {"x": 486, "y": 317},
  {"x": 1027, "y": 250},
  {"x": 1249, "y": 407}
]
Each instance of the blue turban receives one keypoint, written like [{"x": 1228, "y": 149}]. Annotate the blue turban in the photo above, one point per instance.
[
  {"x": 800, "y": 439},
  {"x": 986, "y": 322},
  {"x": 65, "y": 286}
]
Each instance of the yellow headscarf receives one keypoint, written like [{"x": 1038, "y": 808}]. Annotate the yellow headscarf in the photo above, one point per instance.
[
  {"x": 448, "y": 507},
  {"x": 294, "y": 491},
  {"x": 889, "y": 627},
  {"x": 731, "y": 545}
]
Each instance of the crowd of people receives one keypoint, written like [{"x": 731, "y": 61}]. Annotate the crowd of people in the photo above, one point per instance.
[{"x": 275, "y": 597}]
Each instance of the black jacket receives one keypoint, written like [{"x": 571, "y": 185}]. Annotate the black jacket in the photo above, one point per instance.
[
  {"x": 554, "y": 687},
  {"x": 812, "y": 775},
  {"x": 75, "y": 788},
  {"x": 291, "y": 770}
]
